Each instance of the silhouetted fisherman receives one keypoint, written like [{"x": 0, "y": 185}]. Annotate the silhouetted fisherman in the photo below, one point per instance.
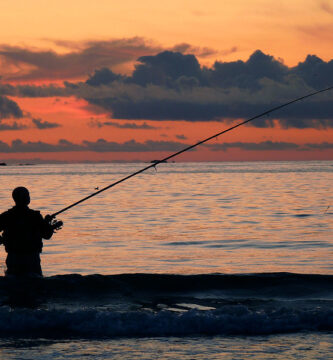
[{"x": 23, "y": 231}]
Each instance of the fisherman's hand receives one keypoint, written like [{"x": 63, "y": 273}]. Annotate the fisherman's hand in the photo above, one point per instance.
[
  {"x": 48, "y": 218},
  {"x": 57, "y": 225}
]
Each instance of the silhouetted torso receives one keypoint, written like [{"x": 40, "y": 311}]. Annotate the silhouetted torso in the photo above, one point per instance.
[{"x": 23, "y": 231}]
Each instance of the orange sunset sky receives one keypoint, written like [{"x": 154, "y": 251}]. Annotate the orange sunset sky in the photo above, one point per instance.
[{"x": 129, "y": 80}]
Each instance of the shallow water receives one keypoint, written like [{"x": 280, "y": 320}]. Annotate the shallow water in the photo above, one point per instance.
[{"x": 298, "y": 346}]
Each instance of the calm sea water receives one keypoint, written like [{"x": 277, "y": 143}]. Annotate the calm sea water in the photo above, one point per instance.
[
  {"x": 184, "y": 218},
  {"x": 240, "y": 220}
]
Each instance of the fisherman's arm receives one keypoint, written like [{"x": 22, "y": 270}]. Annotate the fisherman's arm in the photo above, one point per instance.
[
  {"x": 45, "y": 226},
  {"x": 2, "y": 221}
]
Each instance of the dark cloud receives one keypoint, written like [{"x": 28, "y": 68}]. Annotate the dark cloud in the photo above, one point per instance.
[
  {"x": 263, "y": 146},
  {"x": 173, "y": 86},
  {"x": 247, "y": 74},
  {"x": 181, "y": 137},
  {"x": 103, "y": 77},
  {"x": 19, "y": 146},
  {"x": 9, "y": 108},
  {"x": 269, "y": 146},
  {"x": 143, "y": 126},
  {"x": 82, "y": 59},
  {"x": 319, "y": 124},
  {"x": 14, "y": 126},
  {"x": 34, "y": 91},
  {"x": 40, "y": 124},
  {"x": 164, "y": 68},
  {"x": 130, "y": 101},
  {"x": 101, "y": 145},
  {"x": 161, "y": 109},
  {"x": 209, "y": 104},
  {"x": 315, "y": 72},
  {"x": 41, "y": 91},
  {"x": 321, "y": 146},
  {"x": 7, "y": 89}
]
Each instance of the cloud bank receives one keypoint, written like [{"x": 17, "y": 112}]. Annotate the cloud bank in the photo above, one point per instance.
[
  {"x": 127, "y": 125},
  {"x": 171, "y": 85},
  {"x": 102, "y": 145}
]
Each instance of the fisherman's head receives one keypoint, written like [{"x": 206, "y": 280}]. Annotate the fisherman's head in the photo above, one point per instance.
[{"x": 21, "y": 196}]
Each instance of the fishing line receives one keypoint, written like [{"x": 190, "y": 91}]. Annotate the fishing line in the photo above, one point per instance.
[{"x": 189, "y": 148}]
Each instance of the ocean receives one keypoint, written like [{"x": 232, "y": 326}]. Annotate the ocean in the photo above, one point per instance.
[{"x": 227, "y": 260}]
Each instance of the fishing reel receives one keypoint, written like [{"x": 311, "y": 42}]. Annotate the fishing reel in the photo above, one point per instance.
[{"x": 55, "y": 224}]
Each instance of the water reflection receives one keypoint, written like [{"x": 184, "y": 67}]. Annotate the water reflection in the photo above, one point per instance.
[{"x": 186, "y": 218}]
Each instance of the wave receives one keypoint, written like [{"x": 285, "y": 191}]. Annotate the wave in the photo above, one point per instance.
[
  {"x": 94, "y": 323},
  {"x": 282, "y": 285},
  {"x": 106, "y": 306}
]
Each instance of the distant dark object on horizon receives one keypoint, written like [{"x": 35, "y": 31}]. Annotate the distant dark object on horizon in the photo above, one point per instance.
[
  {"x": 158, "y": 161},
  {"x": 3, "y": 164},
  {"x": 26, "y": 164}
]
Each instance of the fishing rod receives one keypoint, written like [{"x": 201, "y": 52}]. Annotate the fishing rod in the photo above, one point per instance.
[{"x": 189, "y": 148}]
